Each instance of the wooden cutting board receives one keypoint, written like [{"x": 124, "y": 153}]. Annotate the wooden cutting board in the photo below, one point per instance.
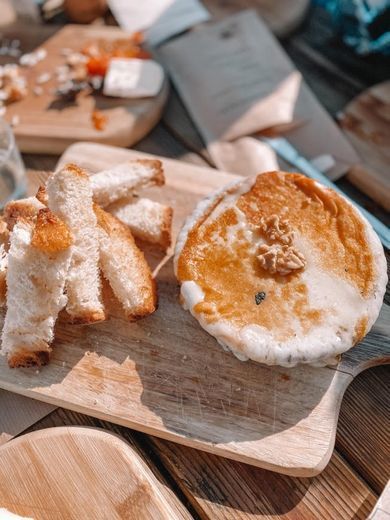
[
  {"x": 48, "y": 125},
  {"x": 72, "y": 473},
  {"x": 166, "y": 376},
  {"x": 366, "y": 122}
]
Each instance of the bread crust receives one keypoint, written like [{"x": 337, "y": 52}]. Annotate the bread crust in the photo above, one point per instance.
[
  {"x": 3, "y": 287},
  {"x": 23, "y": 208},
  {"x": 25, "y": 358},
  {"x": 42, "y": 195},
  {"x": 86, "y": 318},
  {"x": 166, "y": 229},
  {"x": 159, "y": 177}
]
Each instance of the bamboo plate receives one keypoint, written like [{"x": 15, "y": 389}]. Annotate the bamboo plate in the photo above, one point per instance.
[
  {"x": 72, "y": 473},
  {"x": 167, "y": 377}
]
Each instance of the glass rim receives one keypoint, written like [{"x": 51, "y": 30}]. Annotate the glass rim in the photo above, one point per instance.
[{"x": 11, "y": 141}]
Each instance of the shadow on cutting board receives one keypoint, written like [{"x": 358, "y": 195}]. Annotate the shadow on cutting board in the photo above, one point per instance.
[{"x": 164, "y": 373}]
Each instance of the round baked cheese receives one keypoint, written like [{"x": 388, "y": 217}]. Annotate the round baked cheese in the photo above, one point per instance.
[{"x": 281, "y": 270}]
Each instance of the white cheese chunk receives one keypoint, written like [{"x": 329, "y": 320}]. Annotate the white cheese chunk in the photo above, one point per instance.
[{"x": 133, "y": 78}]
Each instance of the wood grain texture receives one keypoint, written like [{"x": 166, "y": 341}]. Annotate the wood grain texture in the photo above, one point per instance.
[
  {"x": 49, "y": 125},
  {"x": 17, "y": 413},
  {"x": 223, "y": 489},
  {"x": 270, "y": 417},
  {"x": 63, "y": 417},
  {"x": 366, "y": 122},
  {"x": 216, "y": 488},
  {"x": 364, "y": 426},
  {"x": 72, "y": 473}
]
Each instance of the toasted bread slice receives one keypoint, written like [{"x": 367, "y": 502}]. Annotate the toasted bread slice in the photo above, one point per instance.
[
  {"x": 125, "y": 267},
  {"x": 70, "y": 197},
  {"x": 38, "y": 262},
  {"x": 22, "y": 208},
  {"x": 120, "y": 181},
  {"x": 147, "y": 220},
  {"x": 26, "y": 209}
]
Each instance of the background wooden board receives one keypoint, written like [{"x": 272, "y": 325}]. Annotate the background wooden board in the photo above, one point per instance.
[
  {"x": 284, "y": 420},
  {"x": 48, "y": 125},
  {"x": 366, "y": 122},
  {"x": 73, "y": 473}
]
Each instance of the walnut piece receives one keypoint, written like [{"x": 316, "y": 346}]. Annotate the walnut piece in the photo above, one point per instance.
[
  {"x": 280, "y": 259},
  {"x": 276, "y": 229}
]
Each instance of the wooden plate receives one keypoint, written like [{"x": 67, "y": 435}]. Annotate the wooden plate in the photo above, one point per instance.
[
  {"x": 48, "y": 125},
  {"x": 75, "y": 473},
  {"x": 167, "y": 377}
]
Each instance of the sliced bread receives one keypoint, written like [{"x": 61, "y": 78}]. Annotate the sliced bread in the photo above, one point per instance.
[
  {"x": 125, "y": 267},
  {"x": 70, "y": 197},
  {"x": 147, "y": 220},
  {"x": 22, "y": 208},
  {"x": 120, "y": 181},
  {"x": 38, "y": 262}
]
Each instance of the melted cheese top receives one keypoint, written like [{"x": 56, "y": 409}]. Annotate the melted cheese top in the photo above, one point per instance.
[{"x": 320, "y": 307}]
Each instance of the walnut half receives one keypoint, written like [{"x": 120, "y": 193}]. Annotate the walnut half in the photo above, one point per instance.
[
  {"x": 276, "y": 229},
  {"x": 280, "y": 259}
]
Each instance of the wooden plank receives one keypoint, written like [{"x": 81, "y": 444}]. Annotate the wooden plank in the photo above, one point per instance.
[
  {"x": 223, "y": 489},
  {"x": 47, "y": 124},
  {"x": 265, "y": 416},
  {"x": 364, "y": 425},
  {"x": 18, "y": 413},
  {"x": 89, "y": 473}
]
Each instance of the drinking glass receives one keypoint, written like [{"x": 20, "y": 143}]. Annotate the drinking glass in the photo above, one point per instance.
[{"x": 12, "y": 172}]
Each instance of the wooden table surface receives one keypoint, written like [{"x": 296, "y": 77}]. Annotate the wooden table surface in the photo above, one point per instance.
[{"x": 206, "y": 485}]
